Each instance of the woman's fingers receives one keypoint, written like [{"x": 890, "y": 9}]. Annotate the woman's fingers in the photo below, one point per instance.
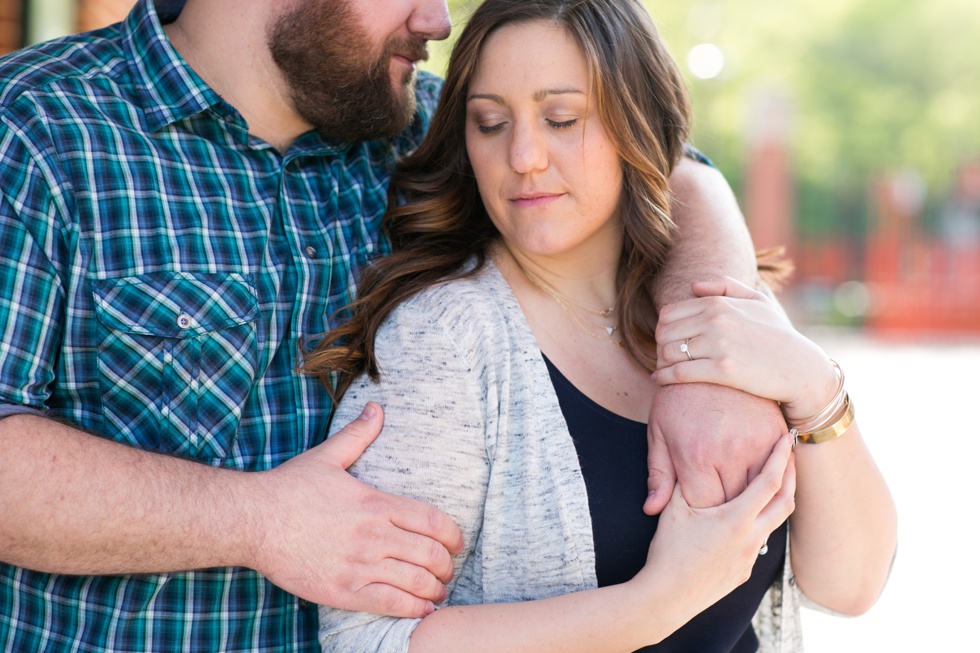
[
  {"x": 782, "y": 504},
  {"x": 726, "y": 286},
  {"x": 715, "y": 548},
  {"x": 701, "y": 359},
  {"x": 769, "y": 496}
]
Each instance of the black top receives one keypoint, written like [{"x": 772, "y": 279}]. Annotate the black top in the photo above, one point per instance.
[{"x": 612, "y": 451}]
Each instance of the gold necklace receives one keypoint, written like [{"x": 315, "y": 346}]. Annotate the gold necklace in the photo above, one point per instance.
[{"x": 568, "y": 305}]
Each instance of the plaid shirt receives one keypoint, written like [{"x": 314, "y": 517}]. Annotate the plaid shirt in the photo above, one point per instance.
[{"x": 159, "y": 271}]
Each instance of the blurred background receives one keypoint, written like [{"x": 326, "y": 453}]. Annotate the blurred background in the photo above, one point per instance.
[{"x": 850, "y": 131}]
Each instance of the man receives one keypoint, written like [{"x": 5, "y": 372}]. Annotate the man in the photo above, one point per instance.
[{"x": 187, "y": 197}]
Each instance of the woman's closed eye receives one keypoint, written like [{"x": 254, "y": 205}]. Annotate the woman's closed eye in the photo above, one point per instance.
[
  {"x": 554, "y": 124},
  {"x": 490, "y": 129},
  {"x": 561, "y": 124}
]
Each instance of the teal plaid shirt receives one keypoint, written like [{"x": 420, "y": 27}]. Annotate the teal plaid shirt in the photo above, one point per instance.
[{"x": 159, "y": 271}]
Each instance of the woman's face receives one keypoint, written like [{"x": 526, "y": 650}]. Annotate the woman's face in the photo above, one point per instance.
[{"x": 548, "y": 173}]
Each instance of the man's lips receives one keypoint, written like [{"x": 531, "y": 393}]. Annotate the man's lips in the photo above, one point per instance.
[
  {"x": 405, "y": 60},
  {"x": 410, "y": 52}
]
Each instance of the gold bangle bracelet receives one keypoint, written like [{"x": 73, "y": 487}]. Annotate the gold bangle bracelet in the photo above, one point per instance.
[{"x": 830, "y": 432}]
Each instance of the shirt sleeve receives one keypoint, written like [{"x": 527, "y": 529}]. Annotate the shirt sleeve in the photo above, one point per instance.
[
  {"x": 31, "y": 292},
  {"x": 7, "y": 410},
  {"x": 433, "y": 447}
]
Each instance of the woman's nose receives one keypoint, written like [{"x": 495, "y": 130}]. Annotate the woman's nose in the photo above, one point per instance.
[{"x": 528, "y": 151}]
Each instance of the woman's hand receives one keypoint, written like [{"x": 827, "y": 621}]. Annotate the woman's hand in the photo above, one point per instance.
[
  {"x": 703, "y": 554},
  {"x": 735, "y": 336}
]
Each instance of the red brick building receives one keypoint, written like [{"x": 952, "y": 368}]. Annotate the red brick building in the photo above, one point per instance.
[{"x": 89, "y": 14}]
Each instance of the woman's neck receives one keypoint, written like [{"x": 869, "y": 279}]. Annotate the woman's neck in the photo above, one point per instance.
[
  {"x": 582, "y": 340},
  {"x": 589, "y": 280}
]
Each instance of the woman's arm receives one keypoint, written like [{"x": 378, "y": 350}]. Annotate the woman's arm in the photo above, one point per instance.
[
  {"x": 843, "y": 533},
  {"x": 697, "y": 557},
  {"x": 436, "y": 447}
]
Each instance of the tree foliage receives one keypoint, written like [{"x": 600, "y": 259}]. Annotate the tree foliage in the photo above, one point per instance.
[{"x": 875, "y": 86}]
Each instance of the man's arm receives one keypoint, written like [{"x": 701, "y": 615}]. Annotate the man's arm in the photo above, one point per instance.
[
  {"x": 75, "y": 503},
  {"x": 711, "y": 239},
  {"x": 843, "y": 529},
  {"x": 710, "y": 438}
]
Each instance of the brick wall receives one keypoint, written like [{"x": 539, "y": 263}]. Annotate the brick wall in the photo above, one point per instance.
[
  {"x": 91, "y": 14},
  {"x": 99, "y": 13},
  {"x": 10, "y": 25}
]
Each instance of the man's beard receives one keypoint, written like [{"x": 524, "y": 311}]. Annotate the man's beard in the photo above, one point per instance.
[{"x": 335, "y": 86}]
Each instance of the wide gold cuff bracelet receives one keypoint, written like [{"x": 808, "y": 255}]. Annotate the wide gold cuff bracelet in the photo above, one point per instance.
[{"x": 829, "y": 432}]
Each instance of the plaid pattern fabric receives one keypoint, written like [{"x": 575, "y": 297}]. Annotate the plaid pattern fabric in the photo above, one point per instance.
[{"x": 160, "y": 270}]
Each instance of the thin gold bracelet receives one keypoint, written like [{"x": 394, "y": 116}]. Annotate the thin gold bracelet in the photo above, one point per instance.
[{"x": 832, "y": 407}]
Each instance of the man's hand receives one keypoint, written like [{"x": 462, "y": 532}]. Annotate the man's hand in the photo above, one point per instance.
[
  {"x": 717, "y": 438},
  {"x": 335, "y": 541},
  {"x": 711, "y": 439}
]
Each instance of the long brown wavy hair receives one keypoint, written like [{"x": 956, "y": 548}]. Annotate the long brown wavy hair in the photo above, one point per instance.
[{"x": 437, "y": 223}]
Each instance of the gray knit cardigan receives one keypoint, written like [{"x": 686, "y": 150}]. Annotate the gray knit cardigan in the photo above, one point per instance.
[{"x": 473, "y": 426}]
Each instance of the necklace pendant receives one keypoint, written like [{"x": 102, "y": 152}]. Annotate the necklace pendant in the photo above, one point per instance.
[{"x": 609, "y": 329}]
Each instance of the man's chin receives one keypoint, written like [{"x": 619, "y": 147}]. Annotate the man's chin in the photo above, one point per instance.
[
  {"x": 406, "y": 95},
  {"x": 403, "y": 82}
]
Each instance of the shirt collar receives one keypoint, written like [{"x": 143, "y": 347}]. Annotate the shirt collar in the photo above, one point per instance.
[{"x": 170, "y": 89}]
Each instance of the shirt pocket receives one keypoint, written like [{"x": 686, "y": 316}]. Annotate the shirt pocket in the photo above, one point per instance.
[{"x": 177, "y": 359}]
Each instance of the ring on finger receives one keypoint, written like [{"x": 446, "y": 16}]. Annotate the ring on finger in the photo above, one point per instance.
[{"x": 686, "y": 348}]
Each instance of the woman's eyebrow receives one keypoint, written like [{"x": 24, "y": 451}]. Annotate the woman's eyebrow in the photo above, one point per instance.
[
  {"x": 538, "y": 97},
  {"x": 541, "y": 95},
  {"x": 486, "y": 96}
]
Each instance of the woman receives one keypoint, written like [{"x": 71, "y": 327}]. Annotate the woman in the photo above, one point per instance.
[{"x": 511, "y": 336}]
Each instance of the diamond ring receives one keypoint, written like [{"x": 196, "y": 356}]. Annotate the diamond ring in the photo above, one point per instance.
[{"x": 687, "y": 349}]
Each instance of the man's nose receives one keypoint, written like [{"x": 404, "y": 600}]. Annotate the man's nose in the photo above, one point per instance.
[{"x": 430, "y": 20}]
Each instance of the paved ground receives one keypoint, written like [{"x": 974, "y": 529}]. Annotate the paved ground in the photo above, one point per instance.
[{"x": 919, "y": 406}]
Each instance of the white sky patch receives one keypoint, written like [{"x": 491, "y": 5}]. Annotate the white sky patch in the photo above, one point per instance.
[{"x": 706, "y": 61}]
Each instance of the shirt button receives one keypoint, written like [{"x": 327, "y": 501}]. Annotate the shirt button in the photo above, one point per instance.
[
  {"x": 184, "y": 321},
  {"x": 310, "y": 251}
]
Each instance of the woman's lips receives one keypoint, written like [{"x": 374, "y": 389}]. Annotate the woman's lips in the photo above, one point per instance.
[{"x": 535, "y": 199}]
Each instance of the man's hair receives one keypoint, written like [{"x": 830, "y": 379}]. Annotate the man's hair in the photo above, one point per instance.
[{"x": 437, "y": 222}]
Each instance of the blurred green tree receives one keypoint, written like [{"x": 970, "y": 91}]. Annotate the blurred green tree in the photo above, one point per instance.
[{"x": 875, "y": 86}]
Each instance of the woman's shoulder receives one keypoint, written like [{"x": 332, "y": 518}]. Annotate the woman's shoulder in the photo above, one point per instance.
[
  {"x": 476, "y": 313},
  {"x": 483, "y": 294}
]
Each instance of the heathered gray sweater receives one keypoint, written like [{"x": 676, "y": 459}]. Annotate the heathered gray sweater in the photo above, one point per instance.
[{"x": 473, "y": 426}]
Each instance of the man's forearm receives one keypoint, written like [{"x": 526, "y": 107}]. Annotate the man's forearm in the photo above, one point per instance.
[
  {"x": 711, "y": 238},
  {"x": 75, "y": 503},
  {"x": 711, "y": 438}
]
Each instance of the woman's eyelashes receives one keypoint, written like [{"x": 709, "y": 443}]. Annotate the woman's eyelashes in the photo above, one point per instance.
[
  {"x": 561, "y": 124},
  {"x": 493, "y": 128},
  {"x": 490, "y": 129}
]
